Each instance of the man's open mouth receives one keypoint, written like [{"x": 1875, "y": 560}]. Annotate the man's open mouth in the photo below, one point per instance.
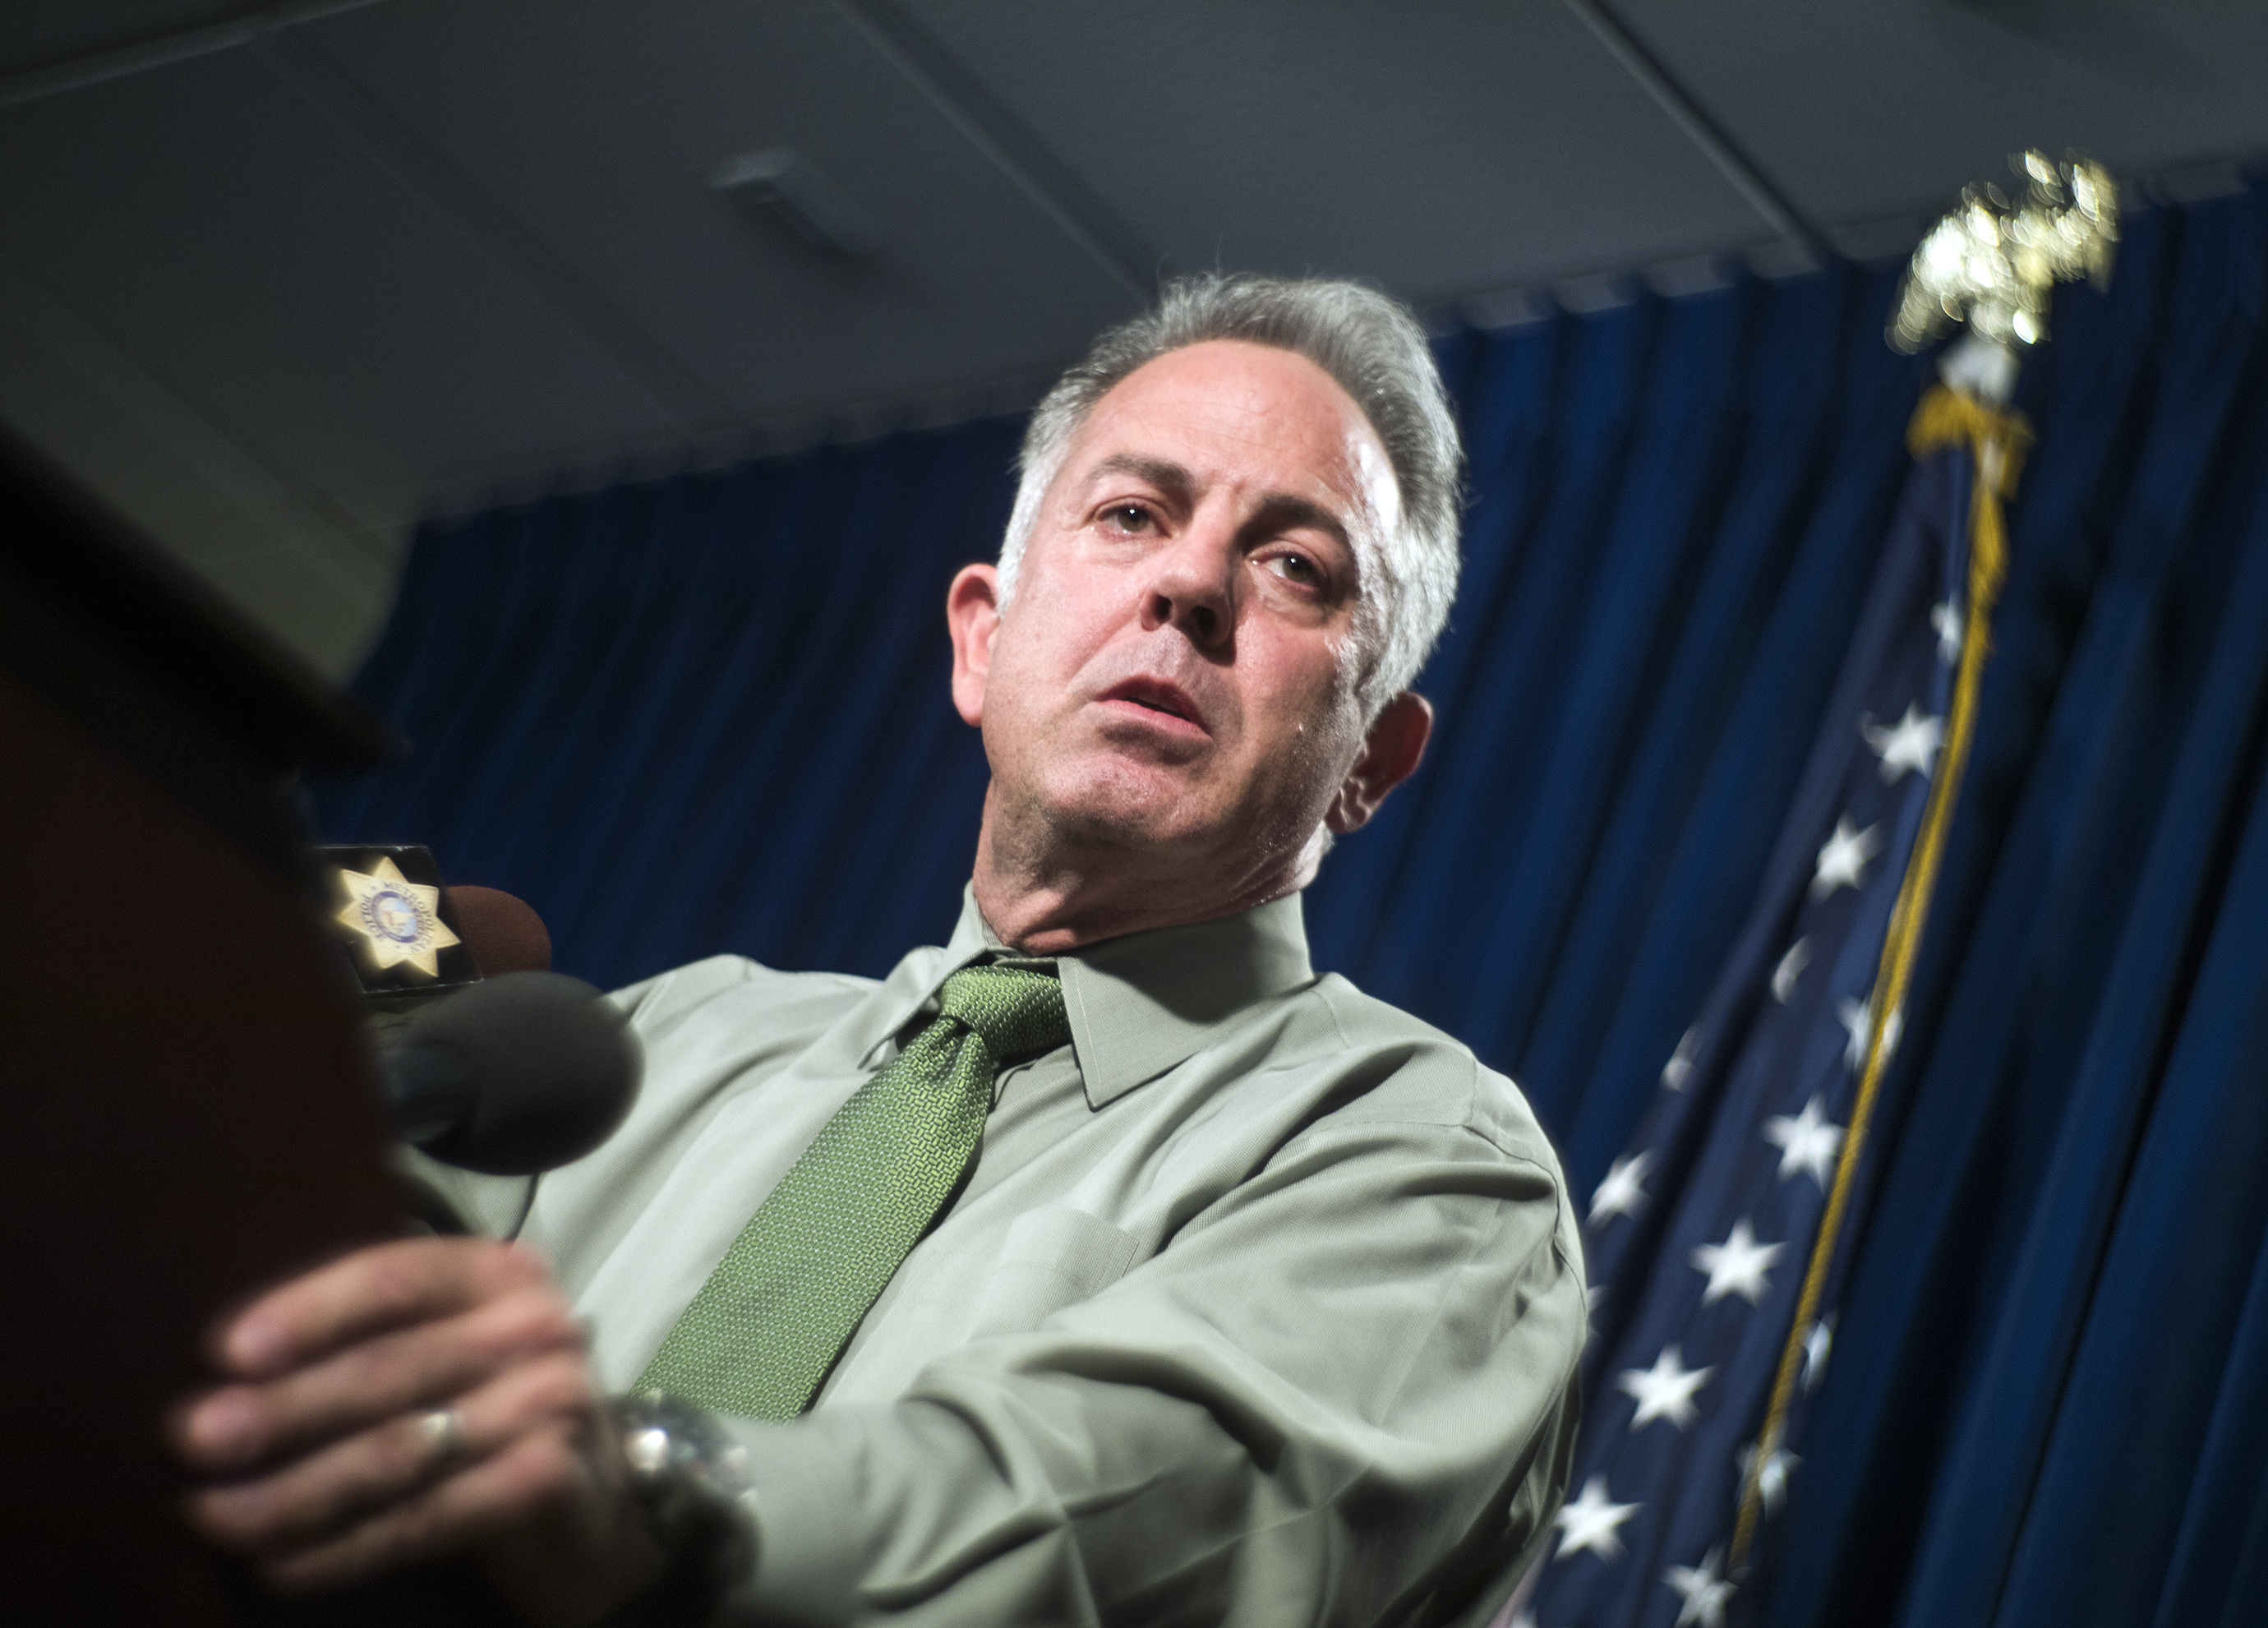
[{"x": 1157, "y": 695}]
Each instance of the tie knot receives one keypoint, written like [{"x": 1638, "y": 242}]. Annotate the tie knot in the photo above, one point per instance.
[{"x": 1018, "y": 1014}]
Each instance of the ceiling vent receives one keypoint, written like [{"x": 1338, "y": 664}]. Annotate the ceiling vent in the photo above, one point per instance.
[{"x": 781, "y": 185}]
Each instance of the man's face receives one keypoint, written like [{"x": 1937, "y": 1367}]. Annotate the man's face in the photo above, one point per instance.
[{"x": 1177, "y": 674}]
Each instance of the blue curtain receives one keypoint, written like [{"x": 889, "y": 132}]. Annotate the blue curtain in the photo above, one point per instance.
[
  {"x": 702, "y": 713},
  {"x": 708, "y": 713}
]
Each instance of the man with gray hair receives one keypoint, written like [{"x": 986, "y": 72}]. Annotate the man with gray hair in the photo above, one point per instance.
[{"x": 1103, "y": 1264}]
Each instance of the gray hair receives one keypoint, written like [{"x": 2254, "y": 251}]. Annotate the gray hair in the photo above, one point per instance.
[{"x": 1372, "y": 346}]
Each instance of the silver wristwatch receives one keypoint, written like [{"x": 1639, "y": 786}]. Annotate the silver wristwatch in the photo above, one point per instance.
[{"x": 691, "y": 1477}]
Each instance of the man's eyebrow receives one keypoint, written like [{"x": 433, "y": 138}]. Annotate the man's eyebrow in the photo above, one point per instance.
[
  {"x": 1276, "y": 508},
  {"x": 1287, "y": 509},
  {"x": 1162, "y": 473}
]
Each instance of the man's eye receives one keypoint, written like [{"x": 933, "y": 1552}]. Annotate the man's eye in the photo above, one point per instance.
[
  {"x": 1129, "y": 517},
  {"x": 1294, "y": 567}
]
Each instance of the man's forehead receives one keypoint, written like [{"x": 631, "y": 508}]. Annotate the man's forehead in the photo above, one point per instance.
[{"x": 1227, "y": 409}]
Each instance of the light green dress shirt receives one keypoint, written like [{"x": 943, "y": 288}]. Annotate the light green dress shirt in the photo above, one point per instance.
[{"x": 1262, "y": 1305}]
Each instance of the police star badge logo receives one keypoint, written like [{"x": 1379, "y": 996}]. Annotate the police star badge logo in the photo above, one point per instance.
[{"x": 395, "y": 922}]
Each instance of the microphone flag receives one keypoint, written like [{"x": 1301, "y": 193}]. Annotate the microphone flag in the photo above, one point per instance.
[{"x": 1718, "y": 1242}]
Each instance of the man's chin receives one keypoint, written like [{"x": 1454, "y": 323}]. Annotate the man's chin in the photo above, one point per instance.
[
  {"x": 1142, "y": 739},
  {"x": 1136, "y": 828},
  {"x": 1130, "y": 805}
]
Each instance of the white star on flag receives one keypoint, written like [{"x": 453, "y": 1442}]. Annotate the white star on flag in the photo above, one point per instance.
[
  {"x": 1590, "y": 1521},
  {"x": 1789, "y": 969},
  {"x": 1680, "y": 1061},
  {"x": 1664, "y": 1390},
  {"x": 1623, "y": 1191},
  {"x": 1806, "y": 1141},
  {"x": 1910, "y": 743},
  {"x": 1946, "y": 619},
  {"x": 1771, "y": 1480},
  {"x": 1703, "y": 1590},
  {"x": 1736, "y": 1266},
  {"x": 1857, "y": 1016},
  {"x": 1818, "y": 1340},
  {"x": 1842, "y": 857}
]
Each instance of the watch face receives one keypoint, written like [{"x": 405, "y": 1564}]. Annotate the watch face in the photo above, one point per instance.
[{"x": 666, "y": 1437}]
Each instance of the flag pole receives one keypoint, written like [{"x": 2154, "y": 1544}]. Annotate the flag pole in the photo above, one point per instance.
[{"x": 1996, "y": 438}]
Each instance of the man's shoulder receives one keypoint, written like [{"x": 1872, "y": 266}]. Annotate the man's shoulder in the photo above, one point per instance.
[
  {"x": 1422, "y": 1074},
  {"x": 736, "y": 983},
  {"x": 739, "y": 1002},
  {"x": 735, "y": 979},
  {"x": 745, "y": 1007}
]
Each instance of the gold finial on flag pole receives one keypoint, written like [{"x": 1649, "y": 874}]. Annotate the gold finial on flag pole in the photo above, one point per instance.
[{"x": 1993, "y": 264}]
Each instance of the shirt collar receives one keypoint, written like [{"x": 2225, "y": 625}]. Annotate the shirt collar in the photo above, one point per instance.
[{"x": 1141, "y": 1004}]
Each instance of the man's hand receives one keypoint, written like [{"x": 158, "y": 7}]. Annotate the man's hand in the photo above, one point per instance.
[{"x": 413, "y": 1400}]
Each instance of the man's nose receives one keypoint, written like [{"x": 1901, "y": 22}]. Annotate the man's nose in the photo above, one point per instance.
[{"x": 1192, "y": 585}]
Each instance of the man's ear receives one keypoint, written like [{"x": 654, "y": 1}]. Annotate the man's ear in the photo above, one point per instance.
[
  {"x": 972, "y": 614},
  {"x": 1389, "y": 756}
]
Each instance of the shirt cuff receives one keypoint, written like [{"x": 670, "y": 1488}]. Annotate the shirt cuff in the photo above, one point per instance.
[{"x": 809, "y": 1557}]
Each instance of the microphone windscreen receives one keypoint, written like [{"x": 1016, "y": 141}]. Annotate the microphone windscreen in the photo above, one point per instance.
[
  {"x": 518, "y": 1074},
  {"x": 503, "y": 934}
]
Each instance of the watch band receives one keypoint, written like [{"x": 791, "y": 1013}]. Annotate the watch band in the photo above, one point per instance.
[{"x": 691, "y": 1478}]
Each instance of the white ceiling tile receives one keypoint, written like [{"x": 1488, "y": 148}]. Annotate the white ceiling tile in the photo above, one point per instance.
[
  {"x": 252, "y": 257},
  {"x": 1438, "y": 146},
  {"x": 1892, "y": 107},
  {"x": 598, "y": 126},
  {"x": 38, "y": 33}
]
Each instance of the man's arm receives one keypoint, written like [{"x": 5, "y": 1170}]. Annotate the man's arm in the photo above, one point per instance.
[{"x": 1340, "y": 1390}]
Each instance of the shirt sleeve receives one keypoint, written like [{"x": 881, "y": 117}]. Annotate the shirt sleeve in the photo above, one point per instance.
[{"x": 1343, "y": 1393}]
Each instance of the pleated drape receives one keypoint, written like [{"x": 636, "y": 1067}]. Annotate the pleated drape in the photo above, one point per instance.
[
  {"x": 708, "y": 713},
  {"x": 701, "y": 713}
]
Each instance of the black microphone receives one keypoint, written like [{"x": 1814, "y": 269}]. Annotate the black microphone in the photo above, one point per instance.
[{"x": 513, "y": 1075}]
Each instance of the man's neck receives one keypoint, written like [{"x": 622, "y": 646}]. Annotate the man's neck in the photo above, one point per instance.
[{"x": 1046, "y": 897}]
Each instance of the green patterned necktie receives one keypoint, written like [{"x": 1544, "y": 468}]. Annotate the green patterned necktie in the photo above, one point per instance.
[{"x": 765, "y": 1328}]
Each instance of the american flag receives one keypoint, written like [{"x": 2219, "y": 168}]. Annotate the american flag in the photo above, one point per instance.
[{"x": 1716, "y": 1242}]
